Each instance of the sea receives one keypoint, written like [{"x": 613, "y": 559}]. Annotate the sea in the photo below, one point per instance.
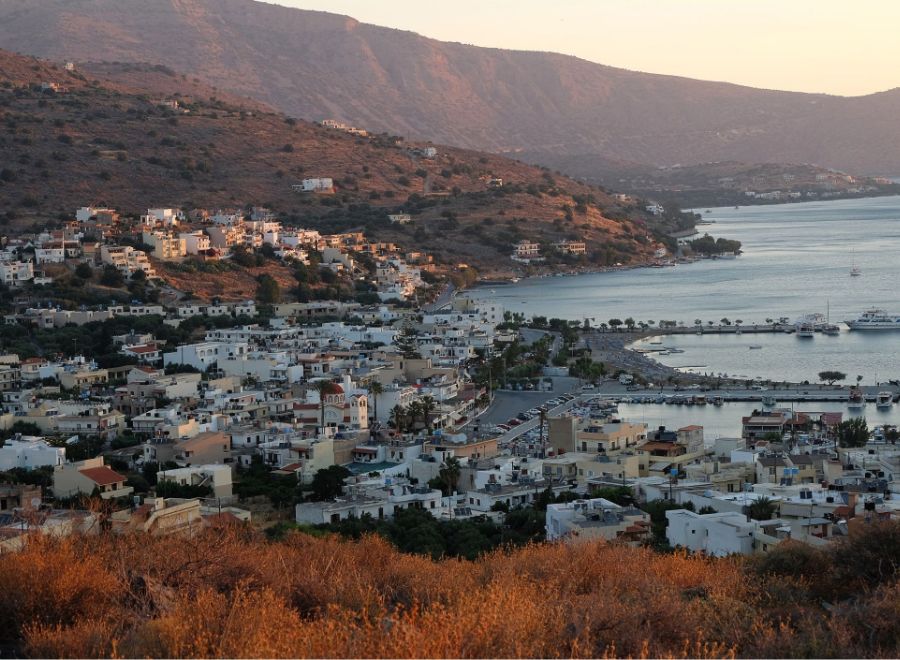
[{"x": 796, "y": 260}]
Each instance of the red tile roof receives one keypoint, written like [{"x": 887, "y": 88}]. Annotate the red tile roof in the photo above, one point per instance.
[{"x": 103, "y": 476}]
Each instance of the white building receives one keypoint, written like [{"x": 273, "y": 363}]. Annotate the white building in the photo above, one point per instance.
[
  {"x": 595, "y": 519},
  {"x": 164, "y": 217},
  {"x": 216, "y": 476},
  {"x": 195, "y": 242},
  {"x": 29, "y": 452},
  {"x": 716, "y": 534},
  {"x": 317, "y": 185},
  {"x": 203, "y": 354},
  {"x": 85, "y": 213},
  {"x": 14, "y": 273}
]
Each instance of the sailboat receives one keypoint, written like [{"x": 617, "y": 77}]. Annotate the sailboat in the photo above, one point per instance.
[
  {"x": 830, "y": 328},
  {"x": 854, "y": 269}
]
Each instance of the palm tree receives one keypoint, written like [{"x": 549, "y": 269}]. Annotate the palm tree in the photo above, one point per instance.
[
  {"x": 414, "y": 412},
  {"x": 324, "y": 388},
  {"x": 397, "y": 418},
  {"x": 375, "y": 388},
  {"x": 449, "y": 474},
  {"x": 762, "y": 509},
  {"x": 428, "y": 406}
]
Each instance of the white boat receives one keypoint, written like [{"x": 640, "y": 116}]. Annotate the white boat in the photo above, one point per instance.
[
  {"x": 875, "y": 319},
  {"x": 857, "y": 399},
  {"x": 805, "y": 330},
  {"x": 769, "y": 401},
  {"x": 854, "y": 269},
  {"x": 831, "y": 329},
  {"x": 806, "y": 326},
  {"x": 884, "y": 400}
]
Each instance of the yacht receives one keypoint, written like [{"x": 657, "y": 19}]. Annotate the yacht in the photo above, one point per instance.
[
  {"x": 805, "y": 330},
  {"x": 884, "y": 400},
  {"x": 875, "y": 319},
  {"x": 807, "y": 325},
  {"x": 769, "y": 401},
  {"x": 855, "y": 271},
  {"x": 857, "y": 399}
]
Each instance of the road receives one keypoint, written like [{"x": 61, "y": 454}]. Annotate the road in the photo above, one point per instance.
[{"x": 442, "y": 300}]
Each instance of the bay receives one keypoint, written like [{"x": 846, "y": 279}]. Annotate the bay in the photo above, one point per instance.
[{"x": 796, "y": 260}]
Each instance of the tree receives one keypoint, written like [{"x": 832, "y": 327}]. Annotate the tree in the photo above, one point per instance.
[
  {"x": 831, "y": 377},
  {"x": 84, "y": 271},
  {"x": 629, "y": 323},
  {"x": 375, "y": 388},
  {"x": 407, "y": 344},
  {"x": 615, "y": 323},
  {"x": 448, "y": 475},
  {"x": 398, "y": 418},
  {"x": 268, "y": 291},
  {"x": 328, "y": 483},
  {"x": 111, "y": 277},
  {"x": 853, "y": 432},
  {"x": 428, "y": 406},
  {"x": 762, "y": 509}
]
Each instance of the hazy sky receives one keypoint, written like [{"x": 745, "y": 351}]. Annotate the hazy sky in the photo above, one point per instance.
[{"x": 835, "y": 46}]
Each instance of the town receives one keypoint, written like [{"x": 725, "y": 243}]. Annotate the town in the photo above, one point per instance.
[{"x": 165, "y": 417}]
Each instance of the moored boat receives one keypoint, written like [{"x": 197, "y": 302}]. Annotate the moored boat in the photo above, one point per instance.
[
  {"x": 884, "y": 400},
  {"x": 875, "y": 319}
]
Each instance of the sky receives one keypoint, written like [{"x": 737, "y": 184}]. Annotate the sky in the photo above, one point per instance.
[{"x": 837, "y": 47}]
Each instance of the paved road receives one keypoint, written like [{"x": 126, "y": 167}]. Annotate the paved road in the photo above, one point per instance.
[
  {"x": 509, "y": 404},
  {"x": 442, "y": 300}
]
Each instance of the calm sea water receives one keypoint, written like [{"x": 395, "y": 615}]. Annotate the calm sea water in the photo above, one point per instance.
[
  {"x": 797, "y": 260},
  {"x": 725, "y": 421}
]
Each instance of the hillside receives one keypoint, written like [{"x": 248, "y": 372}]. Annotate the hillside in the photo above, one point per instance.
[
  {"x": 720, "y": 183},
  {"x": 106, "y": 139},
  {"x": 316, "y": 65},
  {"x": 227, "y": 592}
]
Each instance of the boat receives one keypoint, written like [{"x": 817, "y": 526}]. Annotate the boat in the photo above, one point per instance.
[
  {"x": 755, "y": 347},
  {"x": 769, "y": 401},
  {"x": 857, "y": 399},
  {"x": 806, "y": 326},
  {"x": 717, "y": 401},
  {"x": 700, "y": 400},
  {"x": 884, "y": 400},
  {"x": 854, "y": 269},
  {"x": 805, "y": 330},
  {"x": 875, "y": 319},
  {"x": 830, "y": 328}
]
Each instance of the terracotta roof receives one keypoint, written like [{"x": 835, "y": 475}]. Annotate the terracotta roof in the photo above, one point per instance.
[
  {"x": 290, "y": 467},
  {"x": 143, "y": 348},
  {"x": 102, "y": 476}
]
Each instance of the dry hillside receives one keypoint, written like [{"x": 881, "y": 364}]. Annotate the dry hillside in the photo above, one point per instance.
[
  {"x": 229, "y": 593},
  {"x": 316, "y": 65},
  {"x": 106, "y": 140}
]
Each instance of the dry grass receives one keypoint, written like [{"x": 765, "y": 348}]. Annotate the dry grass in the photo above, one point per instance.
[{"x": 228, "y": 593}]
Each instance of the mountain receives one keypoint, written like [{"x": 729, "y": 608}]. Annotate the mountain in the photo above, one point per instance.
[
  {"x": 717, "y": 184},
  {"x": 317, "y": 65},
  {"x": 113, "y": 137}
]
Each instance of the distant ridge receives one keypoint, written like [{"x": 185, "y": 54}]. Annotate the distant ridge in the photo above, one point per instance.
[{"x": 316, "y": 65}]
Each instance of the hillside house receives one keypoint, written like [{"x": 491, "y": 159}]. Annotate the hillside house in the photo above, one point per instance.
[{"x": 315, "y": 185}]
